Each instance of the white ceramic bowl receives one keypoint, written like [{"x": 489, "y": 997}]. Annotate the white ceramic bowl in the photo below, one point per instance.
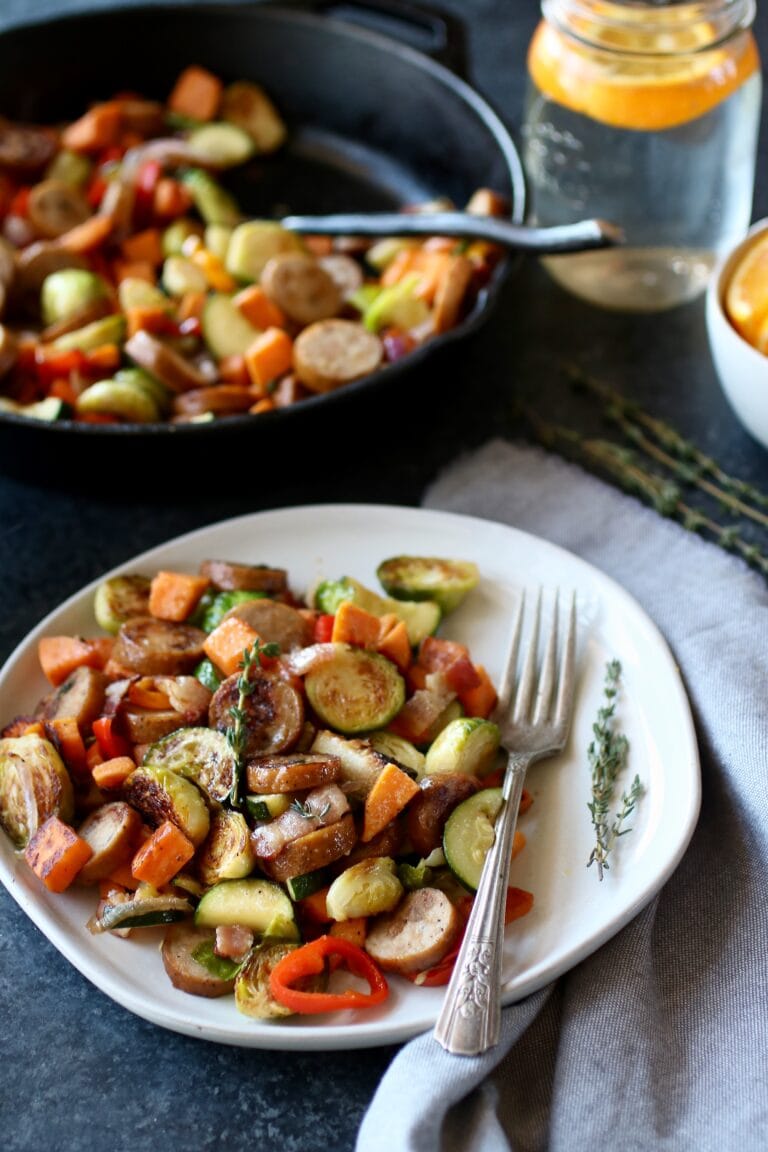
[{"x": 741, "y": 369}]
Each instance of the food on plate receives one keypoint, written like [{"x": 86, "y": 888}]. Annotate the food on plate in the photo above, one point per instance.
[
  {"x": 288, "y": 787},
  {"x": 135, "y": 288}
]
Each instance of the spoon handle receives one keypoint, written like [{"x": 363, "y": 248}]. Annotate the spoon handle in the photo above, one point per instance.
[{"x": 576, "y": 237}]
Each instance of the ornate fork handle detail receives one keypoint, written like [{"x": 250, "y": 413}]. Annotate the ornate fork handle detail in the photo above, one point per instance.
[{"x": 470, "y": 1018}]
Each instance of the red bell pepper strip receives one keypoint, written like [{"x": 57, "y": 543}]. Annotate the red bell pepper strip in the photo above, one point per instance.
[
  {"x": 323, "y": 628},
  {"x": 110, "y": 743},
  {"x": 310, "y": 960}
]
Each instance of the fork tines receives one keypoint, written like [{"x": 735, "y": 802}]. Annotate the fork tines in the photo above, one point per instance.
[{"x": 546, "y": 696}]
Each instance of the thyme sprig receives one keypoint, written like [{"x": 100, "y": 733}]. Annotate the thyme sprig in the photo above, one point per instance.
[
  {"x": 627, "y": 467},
  {"x": 665, "y": 444},
  {"x": 307, "y": 812},
  {"x": 237, "y": 733},
  {"x": 607, "y": 755}
]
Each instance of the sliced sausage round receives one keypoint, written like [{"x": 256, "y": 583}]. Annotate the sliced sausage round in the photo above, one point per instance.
[
  {"x": 112, "y": 832},
  {"x": 187, "y": 974},
  {"x": 80, "y": 697},
  {"x": 275, "y": 623},
  {"x": 345, "y": 272},
  {"x": 301, "y": 288},
  {"x": 417, "y": 935},
  {"x": 154, "y": 647},
  {"x": 274, "y": 712},
  {"x": 222, "y": 399},
  {"x": 427, "y": 813},
  {"x": 23, "y": 148},
  {"x": 316, "y": 850},
  {"x": 335, "y": 352},
  {"x": 146, "y": 725},
  {"x": 269, "y": 774},
  {"x": 9, "y": 348},
  {"x": 55, "y": 207},
  {"x": 229, "y": 577},
  {"x": 176, "y": 372},
  {"x": 35, "y": 263}
]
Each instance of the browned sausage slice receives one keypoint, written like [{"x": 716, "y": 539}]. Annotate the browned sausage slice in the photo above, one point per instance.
[
  {"x": 113, "y": 832},
  {"x": 176, "y": 372},
  {"x": 275, "y": 623},
  {"x": 428, "y": 812},
  {"x": 55, "y": 207},
  {"x": 229, "y": 577},
  {"x": 146, "y": 725},
  {"x": 335, "y": 352},
  {"x": 93, "y": 311},
  {"x": 221, "y": 399},
  {"x": 24, "y": 148},
  {"x": 268, "y": 774},
  {"x": 345, "y": 272},
  {"x": 301, "y": 288},
  {"x": 274, "y": 712},
  {"x": 80, "y": 697},
  {"x": 187, "y": 974},
  {"x": 9, "y": 348},
  {"x": 417, "y": 935},
  {"x": 317, "y": 849},
  {"x": 154, "y": 647},
  {"x": 37, "y": 261}
]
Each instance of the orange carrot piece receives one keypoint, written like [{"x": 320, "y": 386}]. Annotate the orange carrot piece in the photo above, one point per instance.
[
  {"x": 354, "y": 930},
  {"x": 133, "y": 270},
  {"x": 393, "y": 641},
  {"x": 270, "y": 355},
  {"x": 171, "y": 198},
  {"x": 212, "y": 267},
  {"x": 518, "y": 903},
  {"x": 105, "y": 358},
  {"x": 112, "y": 774},
  {"x": 121, "y": 877},
  {"x": 93, "y": 756},
  {"x": 224, "y": 646},
  {"x": 191, "y": 306},
  {"x": 91, "y": 234},
  {"x": 62, "y": 389},
  {"x": 98, "y": 128},
  {"x": 149, "y": 318},
  {"x": 518, "y": 842},
  {"x": 258, "y": 309},
  {"x": 174, "y": 595},
  {"x": 398, "y": 267},
  {"x": 60, "y": 655},
  {"x": 56, "y": 853},
  {"x": 65, "y": 733},
  {"x": 353, "y": 625},
  {"x": 163, "y": 855},
  {"x": 315, "y": 906},
  {"x": 391, "y": 792},
  {"x": 266, "y": 404},
  {"x": 146, "y": 245},
  {"x": 196, "y": 93},
  {"x": 480, "y": 700}
]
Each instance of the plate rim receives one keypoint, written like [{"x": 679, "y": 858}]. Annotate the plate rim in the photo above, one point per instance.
[{"x": 360, "y": 1034}]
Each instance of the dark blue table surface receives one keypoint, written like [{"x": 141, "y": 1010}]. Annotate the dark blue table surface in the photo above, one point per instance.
[{"x": 77, "y": 1071}]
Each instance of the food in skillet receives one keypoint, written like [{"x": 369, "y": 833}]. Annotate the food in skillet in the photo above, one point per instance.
[
  {"x": 134, "y": 287},
  {"x": 289, "y": 786}
]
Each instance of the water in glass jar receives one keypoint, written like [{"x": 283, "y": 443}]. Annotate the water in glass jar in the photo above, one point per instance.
[{"x": 682, "y": 194}]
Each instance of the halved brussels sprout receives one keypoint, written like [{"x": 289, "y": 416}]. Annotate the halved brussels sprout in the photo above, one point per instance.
[
  {"x": 226, "y": 852},
  {"x": 34, "y": 784},
  {"x": 120, "y": 598},
  {"x": 365, "y": 889},
  {"x": 160, "y": 794}
]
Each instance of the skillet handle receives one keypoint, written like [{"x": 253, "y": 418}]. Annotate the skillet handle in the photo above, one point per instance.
[{"x": 428, "y": 29}]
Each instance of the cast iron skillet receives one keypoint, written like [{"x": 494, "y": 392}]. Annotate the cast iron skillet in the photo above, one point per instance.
[{"x": 374, "y": 124}]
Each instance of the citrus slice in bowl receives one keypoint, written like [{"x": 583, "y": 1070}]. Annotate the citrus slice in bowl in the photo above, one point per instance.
[{"x": 746, "y": 293}]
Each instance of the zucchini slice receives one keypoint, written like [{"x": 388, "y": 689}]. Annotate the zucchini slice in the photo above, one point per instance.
[
  {"x": 356, "y": 690},
  {"x": 428, "y": 578},
  {"x": 306, "y": 885},
  {"x": 260, "y": 905},
  {"x": 267, "y": 807},
  {"x": 469, "y": 834},
  {"x": 421, "y": 618},
  {"x": 467, "y": 744},
  {"x": 225, "y": 330},
  {"x": 202, "y": 755}
]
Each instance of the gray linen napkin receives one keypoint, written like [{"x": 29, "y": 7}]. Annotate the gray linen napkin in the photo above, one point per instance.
[{"x": 660, "y": 1039}]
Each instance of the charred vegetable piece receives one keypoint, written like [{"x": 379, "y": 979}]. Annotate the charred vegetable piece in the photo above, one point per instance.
[
  {"x": 399, "y": 750},
  {"x": 356, "y": 690},
  {"x": 199, "y": 754},
  {"x": 361, "y": 764},
  {"x": 159, "y": 794},
  {"x": 428, "y": 578},
  {"x": 148, "y": 912},
  {"x": 34, "y": 784},
  {"x": 121, "y": 598},
  {"x": 252, "y": 994},
  {"x": 367, "y": 888},
  {"x": 226, "y": 852}
]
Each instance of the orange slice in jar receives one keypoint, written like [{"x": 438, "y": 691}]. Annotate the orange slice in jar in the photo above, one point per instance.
[
  {"x": 746, "y": 294},
  {"x": 640, "y": 90}
]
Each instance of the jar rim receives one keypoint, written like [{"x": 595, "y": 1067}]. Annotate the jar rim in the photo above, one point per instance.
[{"x": 648, "y": 27}]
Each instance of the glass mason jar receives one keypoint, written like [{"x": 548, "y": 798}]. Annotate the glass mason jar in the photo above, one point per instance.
[{"x": 647, "y": 115}]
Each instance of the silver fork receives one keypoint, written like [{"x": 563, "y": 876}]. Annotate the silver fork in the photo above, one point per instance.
[{"x": 537, "y": 727}]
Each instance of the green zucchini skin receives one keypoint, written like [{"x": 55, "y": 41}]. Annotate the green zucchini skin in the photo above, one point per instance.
[
  {"x": 258, "y": 904},
  {"x": 356, "y": 691},
  {"x": 469, "y": 834}
]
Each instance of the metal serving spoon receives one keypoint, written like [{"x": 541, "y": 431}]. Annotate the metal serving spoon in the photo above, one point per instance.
[{"x": 577, "y": 237}]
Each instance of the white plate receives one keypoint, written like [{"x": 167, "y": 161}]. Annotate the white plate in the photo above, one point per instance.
[{"x": 573, "y": 912}]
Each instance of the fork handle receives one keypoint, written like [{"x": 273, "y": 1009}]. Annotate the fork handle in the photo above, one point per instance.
[{"x": 470, "y": 1019}]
